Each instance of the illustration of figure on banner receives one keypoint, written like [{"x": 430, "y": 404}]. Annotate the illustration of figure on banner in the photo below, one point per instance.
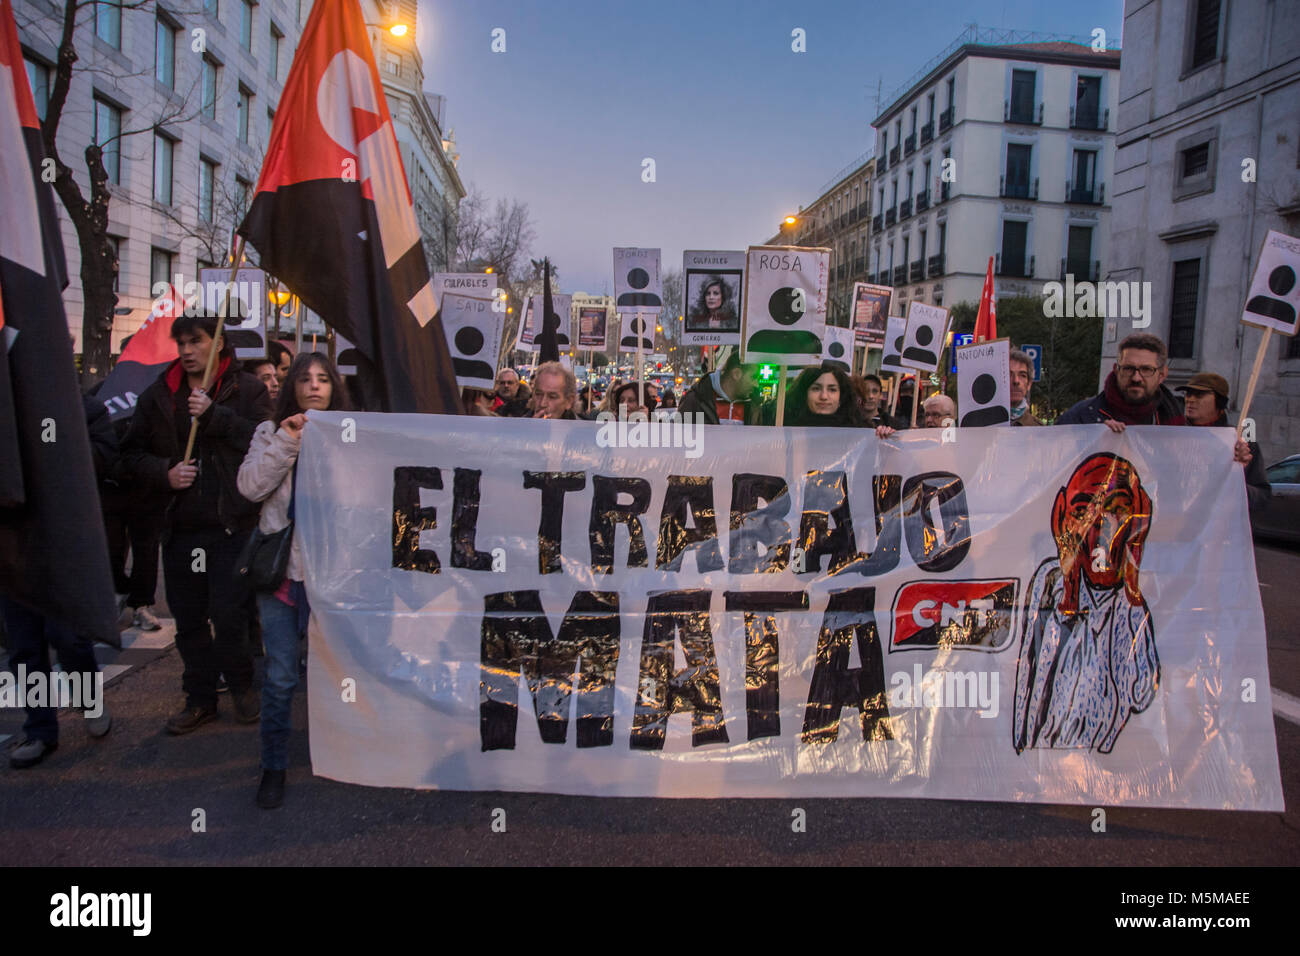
[
  {"x": 1087, "y": 649},
  {"x": 713, "y": 299}
]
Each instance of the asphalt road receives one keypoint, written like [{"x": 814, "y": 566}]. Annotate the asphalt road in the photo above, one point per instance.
[{"x": 130, "y": 799}]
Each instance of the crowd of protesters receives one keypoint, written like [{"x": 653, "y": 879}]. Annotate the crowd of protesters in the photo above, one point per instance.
[{"x": 215, "y": 512}]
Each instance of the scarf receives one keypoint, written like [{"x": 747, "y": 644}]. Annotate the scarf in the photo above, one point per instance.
[{"x": 1018, "y": 410}]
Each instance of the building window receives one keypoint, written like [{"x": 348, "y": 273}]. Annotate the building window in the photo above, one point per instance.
[
  {"x": 952, "y": 91},
  {"x": 1195, "y": 158},
  {"x": 277, "y": 38},
  {"x": 115, "y": 247},
  {"x": 1182, "y": 314},
  {"x": 392, "y": 63},
  {"x": 208, "y": 96},
  {"x": 160, "y": 266},
  {"x": 246, "y": 25},
  {"x": 1087, "y": 103},
  {"x": 108, "y": 23},
  {"x": 929, "y": 109},
  {"x": 164, "y": 49},
  {"x": 163, "y": 151},
  {"x": 207, "y": 186},
  {"x": 1015, "y": 236},
  {"x": 1084, "y": 184},
  {"x": 211, "y": 9},
  {"x": 38, "y": 77},
  {"x": 1021, "y": 108},
  {"x": 1016, "y": 181},
  {"x": 243, "y": 189},
  {"x": 245, "y": 104},
  {"x": 270, "y": 125},
  {"x": 1205, "y": 32},
  {"x": 107, "y": 133},
  {"x": 1078, "y": 253}
]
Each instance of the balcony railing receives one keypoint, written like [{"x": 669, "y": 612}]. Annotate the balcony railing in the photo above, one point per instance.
[
  {"x": 891, "y": 217},
  {"x": 1022, "y": 116},
  {"x": 909, "y": 145},
  {"x": 882, "y": 163},
  {"x": 1020, "y": 267},
  {"x": 853, "y": 215},
  {"x": 1083, "y": 270},
  {"x": 843, "y": 220},
  {"x": 893, "y": 156},
  {"x": 877, "y": 222},
  {"x": 923, "y": 201},
  {"x": 935, "y": 266},
  {"x": 1089, "y": 119},
  {"x": 863, "y": 211},
  {"x": 946, "y": 119},
  {"x": 927, "y": 133},
  {"x": 900, "y": 275},
  {"x": 904, "y": 209},
  {"x": 1017, "y": 189},
  {"x": 918, "y": 270},
  {"x": 1089, "y": 195}
]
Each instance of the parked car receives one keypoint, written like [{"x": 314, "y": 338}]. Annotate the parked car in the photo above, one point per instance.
[{"x": 1281, "y": 518}]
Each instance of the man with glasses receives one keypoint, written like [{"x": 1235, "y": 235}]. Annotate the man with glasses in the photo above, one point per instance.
[
  {"x": 513, "y": 397},
  {"x": 1134, "y": 393}
]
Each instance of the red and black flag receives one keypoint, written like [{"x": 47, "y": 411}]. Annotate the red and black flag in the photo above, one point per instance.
[
  {"x": 332, "y": 217},
  {"x": 144, "y": 358},
  {"x": 53, "y": 551}
]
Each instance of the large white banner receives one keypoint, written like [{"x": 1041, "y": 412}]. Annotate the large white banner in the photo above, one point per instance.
[{"x": 1060, "y": 615}]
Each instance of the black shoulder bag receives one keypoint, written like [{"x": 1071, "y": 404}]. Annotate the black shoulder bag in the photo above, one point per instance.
[{"x": 264, "y": 561}]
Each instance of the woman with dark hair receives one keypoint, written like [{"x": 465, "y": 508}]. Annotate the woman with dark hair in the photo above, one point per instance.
[
  {"x": 267, "y": 475},
  {"x": 714, "y": 309},
  {"x": 821, "y": 396}
]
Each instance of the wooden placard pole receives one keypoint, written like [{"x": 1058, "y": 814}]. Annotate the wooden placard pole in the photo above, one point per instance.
[
  {"x": 1254, "y": 376},
  {"x": 780, "y": 395},
  {"x": 212, "y": 353},
  {"x": 916, "y": 397}
]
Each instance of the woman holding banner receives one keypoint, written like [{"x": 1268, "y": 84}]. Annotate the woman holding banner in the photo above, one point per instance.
[{"x": 267, "y": 475}]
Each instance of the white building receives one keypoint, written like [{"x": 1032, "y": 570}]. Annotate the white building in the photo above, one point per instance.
[
  {"x": 183, "y": 96},
  {"x": 1028, "y": 125},
  {"x": 1208, "y": 161}
]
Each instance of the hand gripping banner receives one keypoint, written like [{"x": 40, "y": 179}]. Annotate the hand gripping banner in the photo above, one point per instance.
[{"x": 668, "y": 609}]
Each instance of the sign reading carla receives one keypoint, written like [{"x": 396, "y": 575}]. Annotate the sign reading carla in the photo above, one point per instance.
[
  {"x": 927, "y": 326},
  {"x": 785, "y": 304}
]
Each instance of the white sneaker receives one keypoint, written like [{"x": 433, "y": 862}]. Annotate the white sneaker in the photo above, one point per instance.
[
  {"x": 125, "y": 615},
  {"x": 98, "y": 726},
  {"x": 145, "y": 620}
]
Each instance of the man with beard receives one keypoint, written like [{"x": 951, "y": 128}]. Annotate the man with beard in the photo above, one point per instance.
[{"x": 1134, "y": 393}]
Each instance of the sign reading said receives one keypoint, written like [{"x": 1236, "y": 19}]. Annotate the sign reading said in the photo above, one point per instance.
[{"x": 473, "y": 329}]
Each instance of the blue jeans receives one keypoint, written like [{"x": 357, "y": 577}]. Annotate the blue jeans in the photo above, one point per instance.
[
  {"x": 31, "y": 636},
  {"x": 280, "y": 636}
]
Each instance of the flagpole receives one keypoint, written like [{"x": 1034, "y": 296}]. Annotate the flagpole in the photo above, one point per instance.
[{"x": 212, "y": 352}]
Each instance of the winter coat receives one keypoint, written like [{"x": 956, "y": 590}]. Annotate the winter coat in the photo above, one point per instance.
[
  {"x": 1094, "y": 411},
  {"x": 154, "y": 444},
  {"x": 267, "y": 476},
  {"x": 701, "y": 399},
  {"x": 518, "y": 406},
  {"x": 1258, "y": 489}
]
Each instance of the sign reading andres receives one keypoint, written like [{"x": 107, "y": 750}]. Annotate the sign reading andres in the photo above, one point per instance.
[{"x": 523, "y": 607}]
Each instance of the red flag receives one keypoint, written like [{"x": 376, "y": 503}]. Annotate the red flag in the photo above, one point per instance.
[
  {"x": 332, "y": 217},
  {"x": 986, "y": 323},
  {"x": 53, "y": 551},
  {"x": 145, "y": 357}
]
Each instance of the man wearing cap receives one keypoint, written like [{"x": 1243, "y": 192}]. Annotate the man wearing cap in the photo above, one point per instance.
[{"x": 1205, "y": 402}]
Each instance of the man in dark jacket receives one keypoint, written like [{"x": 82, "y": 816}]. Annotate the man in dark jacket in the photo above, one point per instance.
[
  {"x": 207, "y": 520},
  {"x": 1134, "y": 393},
  {"x": 729, "y": 395},
  {"x": 513, "y": 397},
  {"x": 1207, "y": 405}
]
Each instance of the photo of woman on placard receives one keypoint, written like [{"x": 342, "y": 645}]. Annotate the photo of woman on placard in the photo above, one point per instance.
[{"x": 714, "y": 309}]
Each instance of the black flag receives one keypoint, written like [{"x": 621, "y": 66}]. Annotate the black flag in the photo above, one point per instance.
[
  {"x": 53, "y": 551},
  {"x": 550, "y": 346}
]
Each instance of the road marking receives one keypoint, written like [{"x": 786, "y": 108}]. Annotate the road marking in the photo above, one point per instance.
[{"x": 1286, "y": 705}]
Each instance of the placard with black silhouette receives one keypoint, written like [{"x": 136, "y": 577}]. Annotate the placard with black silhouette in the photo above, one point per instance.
[
  {"x": 839, "y": 347},
  {"x": 871, "y": 313},
  {"x": 245, "y": 326},
  {"x": 524, "y": 334},
  {"x": 562, "y": 314},
  {"x": 714, "y": 282},
  {"x": 891, "y": 359},
  {"x": 473, "y": 329},
  {"x": 593, "y": 328},
  {"x": 785, "y": 304},
  {"x": 927, "y": 327},
  {"x": 637, "y": 333},
  {"x": 984, "y": 384},
  {"x": 1273, "y": 301},
  {"x": 638, "y": 286}
]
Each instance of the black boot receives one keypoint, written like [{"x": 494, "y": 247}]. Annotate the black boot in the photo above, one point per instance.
[{"x": 271, "y": 792}]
